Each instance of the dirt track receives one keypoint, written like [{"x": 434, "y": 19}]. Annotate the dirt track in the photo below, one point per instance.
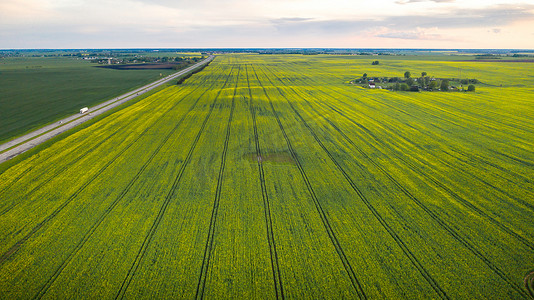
[{"x": 34, "y": 138}]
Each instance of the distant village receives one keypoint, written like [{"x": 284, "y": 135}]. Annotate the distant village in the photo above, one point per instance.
[
  {"x": 140, "y": 59},
  {"x": 415, "y": 84}
]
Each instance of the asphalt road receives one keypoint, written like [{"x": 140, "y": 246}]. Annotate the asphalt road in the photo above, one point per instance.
[{"x": 34, "y": 138}]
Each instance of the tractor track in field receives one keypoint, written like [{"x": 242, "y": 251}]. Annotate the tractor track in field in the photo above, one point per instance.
[
  {"x": 148, "y": 238},
  {"x": 456, "y": 149},
  {"x": 277, "y": 277},
  {"x": 472, "y": 175},
  {"x": 11, "y": 251},
  {"x": 453, "y": 148},
  {"x": 434, "y": 216},
  {"x": 125, "y": 191},
  {"x": 524, "y": 203},
  {"x": 461, "y": 200},
  {"x": 215, "y": 210},
  {"x": 516, "y": 159},
  {"x": 76, "y": 158},
  {"x": 337, "y": 245},
  {"x": 405, "y": 249},
  {"x": 482, "y": 161}
]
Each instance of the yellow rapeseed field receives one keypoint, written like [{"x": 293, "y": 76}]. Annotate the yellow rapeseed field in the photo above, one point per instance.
[{"x": 271, "y": 176}]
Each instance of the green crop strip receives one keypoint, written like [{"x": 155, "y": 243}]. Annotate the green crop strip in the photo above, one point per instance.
[
  {"x": 213, "y": 220},
  {"x": 268, "y": 218},
  {"x": 161, "y": 213},
  {"x": 324, "y": 218}
]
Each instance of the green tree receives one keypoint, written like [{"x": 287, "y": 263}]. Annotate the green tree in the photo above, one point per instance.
[
  {"x": 397, "y": 86},
  {"x": 404, "y": 87},
  {"x": 407, "y": 74},
  {"x": 364, "y": 75},
  {"x": 423, "y": 74},
  {"x": 471, "y": 88},
  {"x": 409, "y": 81},
  {"x": 433, "y": 85},
  {"x": 444, "y": 85}
]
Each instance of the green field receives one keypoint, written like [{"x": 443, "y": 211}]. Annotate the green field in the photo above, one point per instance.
[
  {"x": 270, "y": 176},
  {"x": 39, "y": 90}
]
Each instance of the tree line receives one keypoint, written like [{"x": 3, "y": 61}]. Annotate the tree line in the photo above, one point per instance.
[{"x": 423, "y": 82}]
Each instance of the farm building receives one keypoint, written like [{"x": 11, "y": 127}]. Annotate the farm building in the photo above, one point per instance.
[{"x": 371, "y": 85}]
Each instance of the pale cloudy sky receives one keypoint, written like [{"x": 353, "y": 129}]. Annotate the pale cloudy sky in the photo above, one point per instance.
[{"x": 262, "y": 23}]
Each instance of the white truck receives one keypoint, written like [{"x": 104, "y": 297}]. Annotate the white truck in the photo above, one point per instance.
[{"x": 84, "y": 110}]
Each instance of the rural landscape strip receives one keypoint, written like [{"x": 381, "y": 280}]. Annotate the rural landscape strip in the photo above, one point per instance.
[
  {"x": 170, "y": 194},
  {"x": 124, "y": 192},
  {"x": 19, "y": 145},
  {"x": 213, "y": 220},
  {"x": 350, "y": 272},
  {"x": 373, "y": 210},
  {"x": 434, "y": 216},
  {"x": 277, "y": 277}
]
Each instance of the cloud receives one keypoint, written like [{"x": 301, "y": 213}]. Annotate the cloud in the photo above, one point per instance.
[
  {"x": 295, "y": 19},
  {"x": 181, "y": 23},
  {"x": 417, "y": 34},
  {"x": 499, "y": 15},
  {"x": 24, "y": 11},
  {"x": 407, "y": 25},
  {"x": 402, "y": 2}
]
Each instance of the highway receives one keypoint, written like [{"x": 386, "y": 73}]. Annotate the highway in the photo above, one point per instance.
[{"x": 21, "y": 144}]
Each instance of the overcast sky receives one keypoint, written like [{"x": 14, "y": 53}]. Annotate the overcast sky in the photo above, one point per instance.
[{"x": 262, "y": 23}]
